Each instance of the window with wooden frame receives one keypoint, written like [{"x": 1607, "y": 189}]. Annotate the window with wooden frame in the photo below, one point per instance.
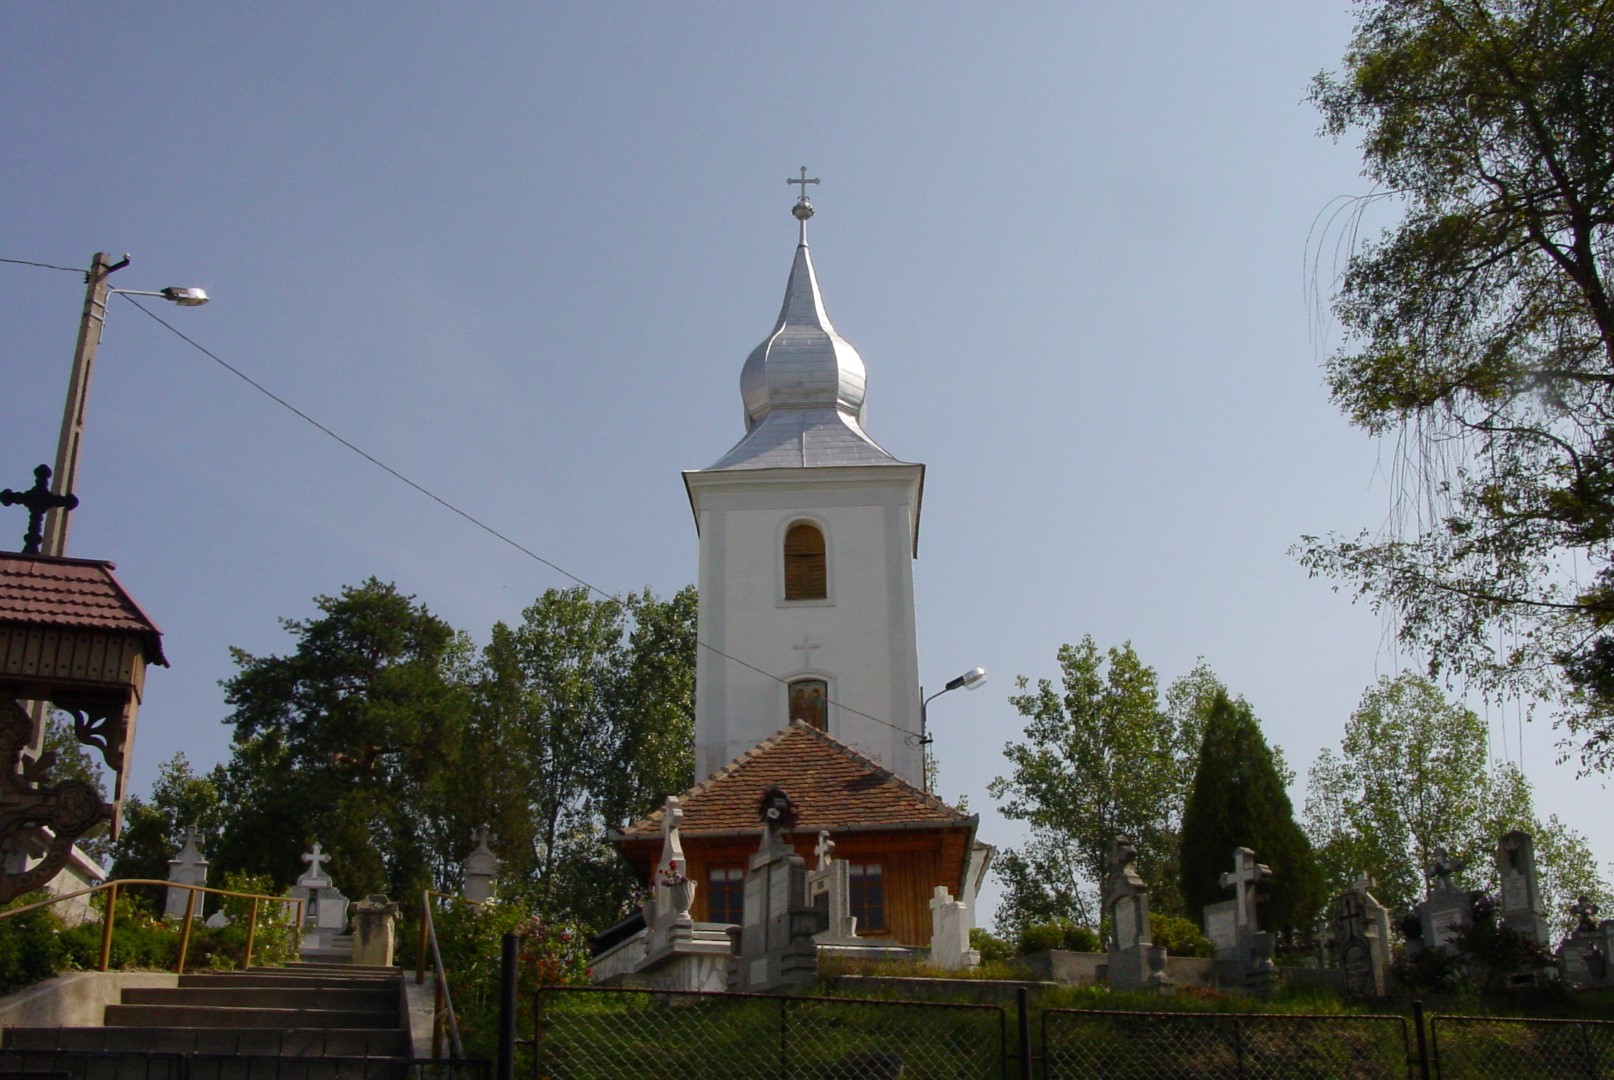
[
  {"x": 806, "y": 575},
  {"x": 725, "y": 894},
  {"x": 809, "y": 702},
  {"x": 868, "y": 896}
]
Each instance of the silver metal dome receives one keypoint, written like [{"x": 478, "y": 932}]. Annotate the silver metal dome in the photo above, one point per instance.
[{"x": 804, "y": 363}]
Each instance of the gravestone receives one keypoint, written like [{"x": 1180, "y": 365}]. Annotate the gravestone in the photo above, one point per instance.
[
  {"x": 1522, "y": 910},
  {"x": 1361, "y": 933},
  {"x": 481, "y": 867},
  {"x": 773, "y": 948},
  {"x": 187, "y": 867},
  {"x": 1447, "y": 908},
  {"x": 374, "y": 920},
  {"x": 218, "y": 920},
  {"x": 324, "y": 908},
  {"x": 1135, "y": 961},
  {"x": 950, "y": 932},
  {"x": 1583, "y": 956},
  {"x": 829, "y": 888},
  {"x": 1243, "y": 950},
  {"x": 672, "y": 890}
]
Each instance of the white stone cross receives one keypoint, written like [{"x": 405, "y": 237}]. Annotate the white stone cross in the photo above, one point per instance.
[
  {"x": 1247, "y": 873},
  {"x": 314, "y": 858},
  {"x": 190, "y": 837},
  {"x": 824, "y": 850},
  {"x": 1362, "y": 882},
  {"x": 483, "y": 836}
]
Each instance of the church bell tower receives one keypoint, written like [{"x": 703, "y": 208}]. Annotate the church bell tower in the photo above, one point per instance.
[{"x": 808, "y": 532}]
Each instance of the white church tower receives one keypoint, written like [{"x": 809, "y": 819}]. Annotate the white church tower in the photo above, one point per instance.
[{"x": 808, "y": 532}]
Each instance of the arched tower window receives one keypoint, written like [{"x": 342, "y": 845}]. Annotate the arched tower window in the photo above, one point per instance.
[
  {"x": 805, "y": 575},
  {"x": 809, "y": 701}
]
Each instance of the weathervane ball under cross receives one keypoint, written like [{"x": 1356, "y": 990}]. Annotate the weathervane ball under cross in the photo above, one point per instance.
[{"x": 804, "y": 206}]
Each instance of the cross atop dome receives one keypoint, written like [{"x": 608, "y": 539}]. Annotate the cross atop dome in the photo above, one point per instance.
[{"x": 804, "y": 206}]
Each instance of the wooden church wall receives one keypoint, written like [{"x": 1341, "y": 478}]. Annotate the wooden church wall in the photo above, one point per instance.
[{"x": 912, "y": 865}]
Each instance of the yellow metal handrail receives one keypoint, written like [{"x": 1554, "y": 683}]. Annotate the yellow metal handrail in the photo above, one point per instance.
[
  {"x": 111, "y": 889},
  {"x": 444, "y": 1007}
]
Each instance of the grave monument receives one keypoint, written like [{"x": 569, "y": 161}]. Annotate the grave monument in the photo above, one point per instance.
[
  {"x": 187, "y": 867},
  {"x": 773, "y": 947},
  {"x": 1135, "y": 961}
]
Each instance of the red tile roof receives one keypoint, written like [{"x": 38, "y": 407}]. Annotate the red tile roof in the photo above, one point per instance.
[
  {"x": 81, "y": 594},
  {"x": 832, "y": 786}
]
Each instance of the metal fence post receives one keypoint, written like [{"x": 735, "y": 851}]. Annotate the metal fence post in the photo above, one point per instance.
[
  {"x": 1022, "y": 1004},
  {"x": 1423, "y": 1048},
  {"x": 507, "y": 1008},
  {"x": 784, "y": 1041}
]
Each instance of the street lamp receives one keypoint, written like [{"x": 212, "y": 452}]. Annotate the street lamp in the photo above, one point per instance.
[
  {"x": 90, "y": 325},
  {"x": 971, "y": 679}
]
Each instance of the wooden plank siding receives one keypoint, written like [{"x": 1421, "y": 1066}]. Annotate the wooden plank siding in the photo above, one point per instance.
[
  {"x": 89, "y": 656},
  {"x": 913, "y": 862}
]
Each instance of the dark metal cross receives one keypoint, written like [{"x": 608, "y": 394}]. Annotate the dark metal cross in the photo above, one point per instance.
[
  {"x": 39, "y": 500},
  {"x": 804, "y": 181}
]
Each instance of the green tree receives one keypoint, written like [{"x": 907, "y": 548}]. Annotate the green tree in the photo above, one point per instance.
[
  {"x": 1481, "y": 329},
  {"x": 74, "y": 761},
  {"x": 1100, "y": 759},
  {"x": 1238, "y": 800},
  {"x": 1412, "y": 775},
  {"x": 152, "y": 827},
  {"x": 352, "y": 739},
  {"x": 584, "y": 719}
]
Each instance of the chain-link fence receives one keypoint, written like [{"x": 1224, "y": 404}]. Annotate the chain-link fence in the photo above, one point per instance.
[
  {"x": 1121, "y": 1045},
  {"x": 586, "y": 1033},
  {"x": 1481, "y": 1047}
]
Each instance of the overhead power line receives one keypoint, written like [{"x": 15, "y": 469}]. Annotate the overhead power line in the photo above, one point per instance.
[{"x": 444, "y": 503}]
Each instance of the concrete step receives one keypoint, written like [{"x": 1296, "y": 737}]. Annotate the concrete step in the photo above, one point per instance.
[
  {"x": 288, "y": 1042},
  {"x": 224, "y": 980},
  {"x": 204, "y": 1016},
  {"x": 82, "y": 1065},
  {"x": 383, "y": 998}
]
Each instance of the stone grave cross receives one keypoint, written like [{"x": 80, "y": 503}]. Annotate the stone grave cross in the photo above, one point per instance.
[
  {"x": 1245, "y": 876},
  {"x": 314, "y": 858},
  {"x": 1443, "y": 869},
  {"x": 824, "y": 849}
]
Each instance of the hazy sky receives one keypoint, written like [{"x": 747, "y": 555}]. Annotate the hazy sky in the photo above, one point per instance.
[{"x": 520, "y": 252}]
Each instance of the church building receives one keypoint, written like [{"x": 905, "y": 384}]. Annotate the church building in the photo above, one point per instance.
[{"x": 808, "y": 673}]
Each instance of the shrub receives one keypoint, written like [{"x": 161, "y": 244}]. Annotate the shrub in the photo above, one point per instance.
[
  {"x": 1179, "y": 936},
  {"x": 29, "y": 949},
  {"x": 992, "y": 948},
  {"x": 1057, "y": 935}
]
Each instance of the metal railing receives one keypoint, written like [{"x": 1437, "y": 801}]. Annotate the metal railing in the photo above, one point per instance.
[
  {"x": 607, "y": 1033},
  {"x": 109, "y": 917},
  {"x": 443, "y": 1009}
]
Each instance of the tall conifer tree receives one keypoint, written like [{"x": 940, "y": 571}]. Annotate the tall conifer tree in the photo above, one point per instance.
[{"x": 1238, "y": 800}]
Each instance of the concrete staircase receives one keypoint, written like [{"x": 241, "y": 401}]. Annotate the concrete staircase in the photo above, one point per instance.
[{"x": 304, "y": 1022}]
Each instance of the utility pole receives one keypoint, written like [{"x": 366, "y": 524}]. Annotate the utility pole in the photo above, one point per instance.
[{"x": 90, "y": 324}]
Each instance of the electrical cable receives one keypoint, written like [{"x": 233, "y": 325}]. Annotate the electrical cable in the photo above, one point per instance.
[
  {"x": 445, "y": 504},
  {"x": 44, "y": 266}
]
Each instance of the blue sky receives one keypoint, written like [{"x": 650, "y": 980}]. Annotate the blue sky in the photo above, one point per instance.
[{"x": 519, "y": 252}]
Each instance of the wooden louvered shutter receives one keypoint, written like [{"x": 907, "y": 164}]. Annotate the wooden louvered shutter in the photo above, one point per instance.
[{"x": 805, "y": 575}]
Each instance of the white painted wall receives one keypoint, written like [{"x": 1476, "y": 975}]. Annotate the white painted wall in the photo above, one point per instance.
[{"x": 864, "y": 630}]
